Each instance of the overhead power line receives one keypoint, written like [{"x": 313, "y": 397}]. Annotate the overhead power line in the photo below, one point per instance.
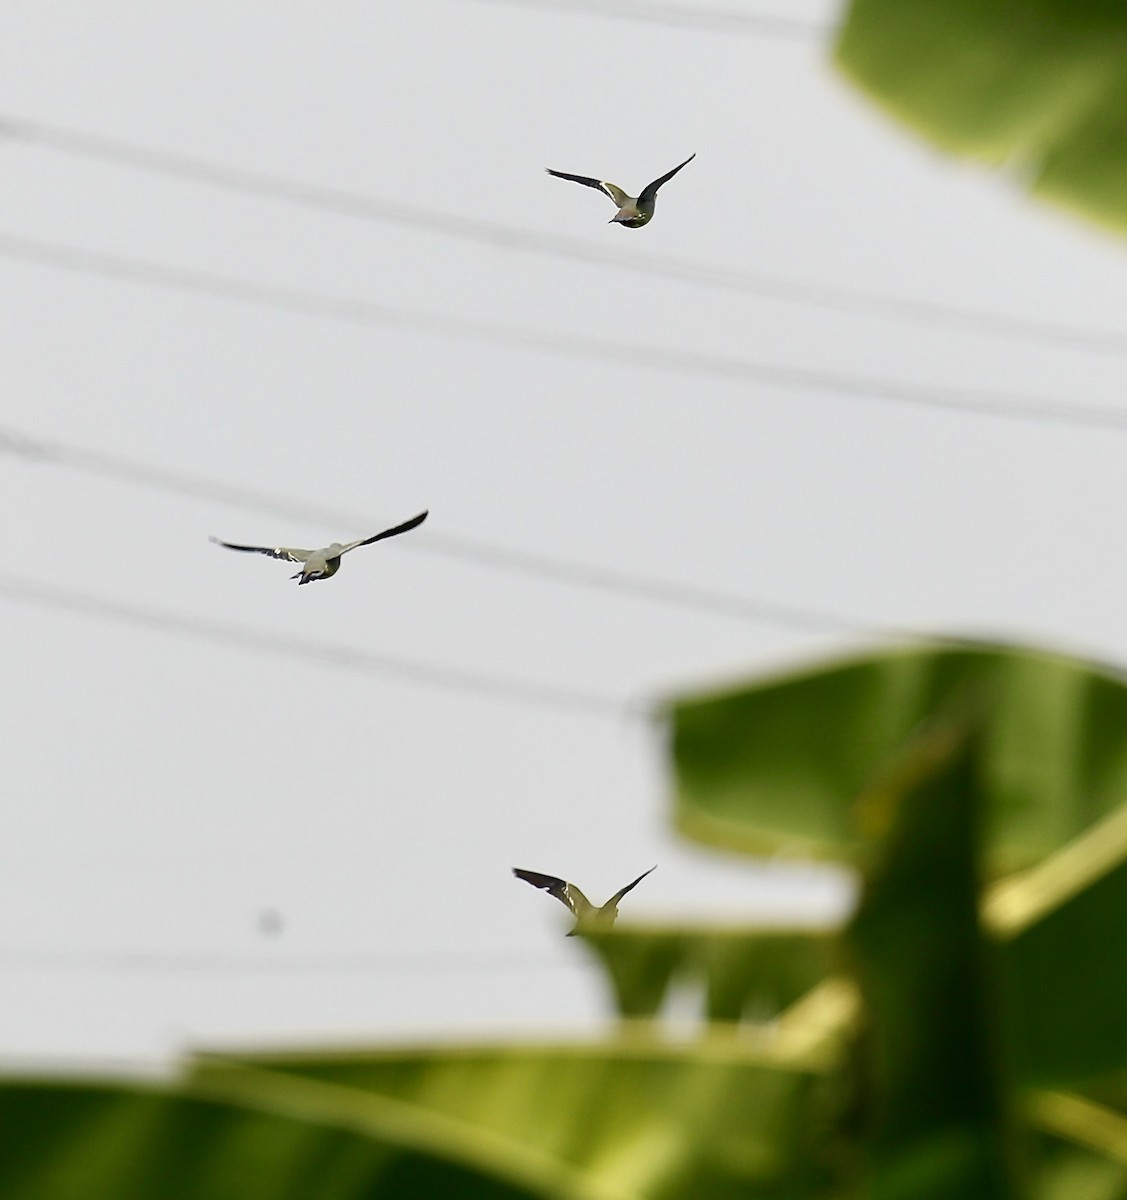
[
  {"x": 161, "y": 962},
  {"x": 680, "y": 16},
  {"x": 357, "y": 205},
  {"x": 472, "y": 550},
  {"x": 1000, "y": 405},
  {"x": 526, "y": 693}
]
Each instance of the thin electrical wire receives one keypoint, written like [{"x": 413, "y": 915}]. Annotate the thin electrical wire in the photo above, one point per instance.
[
  {"x": 152, "y": 962},
  {"x": 851, "y": 301},
  {"x": 526, "y": 693},
  {"x": 869, "y": 389},
  {"x": 679, "y": 16},
  {"x": 470, "y": 550}
]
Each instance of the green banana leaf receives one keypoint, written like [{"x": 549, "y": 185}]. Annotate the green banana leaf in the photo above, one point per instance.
[
  {"x": 930, "y": 1080},
  {"x": 1037, "y": 84},
  {"x": 102, "y": 1142},
  {"x": 778, "y": 766},
  {"x": 713, "y": 1120},
  {"x": 1063, "y": 931},
  {"x": 1079, "y": 1149},
  {"x": 785, "y": 764},
  {"x": 744, "y": 974},
  {"x": 1061, "y": 1170}
]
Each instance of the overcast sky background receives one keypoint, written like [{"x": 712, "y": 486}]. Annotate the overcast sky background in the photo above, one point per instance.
[{"x": 161, "y": 793}]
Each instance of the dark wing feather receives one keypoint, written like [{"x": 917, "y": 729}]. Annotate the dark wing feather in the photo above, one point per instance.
[
  {"x": 413, "y": 523},
  {"x": 272, "y": 551},
  {"x": 650, "y": 190},
  {"x": 566, "y": 893},
  {"x": 586, "y": 180},
  {"x": 600, "y": 185},
  {"x": 622, "y": 891}
]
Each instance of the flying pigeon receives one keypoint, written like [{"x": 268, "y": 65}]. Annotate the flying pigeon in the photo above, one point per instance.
[
  {"x": 587, "y": 916},
  {"x": 321, "y": 564},
  {"x": 633, "y": 211}
]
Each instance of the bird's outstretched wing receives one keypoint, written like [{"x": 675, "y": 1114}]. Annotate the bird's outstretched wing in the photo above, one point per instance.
[
  {"x": 622, "y": 891},
  {"x": 283, "y": 552},
  {"x": 601, "y": 185},
  {"x": 564, "y": 892},
  {"x": 378, "y": 537},
  {"x": 650, "y": 190}
]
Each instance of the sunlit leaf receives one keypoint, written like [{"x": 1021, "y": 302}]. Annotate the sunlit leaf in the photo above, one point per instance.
[
  {"x": 777, "y": 766},
  {"x": 707, "y": 1121},
  {"x": 1064, "y": 1171},
  {"x": 1038, "y": 84},
  {"x": 1081, "y": 1150}
]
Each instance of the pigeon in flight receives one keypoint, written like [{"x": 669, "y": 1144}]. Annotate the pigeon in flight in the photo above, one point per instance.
[
  {"x": 633, "y": 211},
  {"x": 587, "y": 916},
  {"x": 321, "y": 564}
]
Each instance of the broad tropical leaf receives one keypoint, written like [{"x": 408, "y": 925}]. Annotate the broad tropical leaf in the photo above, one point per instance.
[
  {"x": 931, "y": 1078},
  {"x": 778, "y": 766},
  {"x": 744, "y": 974},
  {"x": 1037, "y": 84},
  {"x": 1080, "y": 1149},
  {"x": 88, "y": 1142},
  {"x": 1063, "y": 933},
  {"x": 714, "y": 1120}
]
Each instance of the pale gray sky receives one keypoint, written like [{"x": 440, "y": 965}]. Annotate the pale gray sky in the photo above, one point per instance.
[{"x": 161, "y": 793}]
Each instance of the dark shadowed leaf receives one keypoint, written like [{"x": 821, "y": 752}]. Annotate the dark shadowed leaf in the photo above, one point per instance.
[
  {"x": 931, "y": 1044},
  {"x": 1063, "y": 935}
]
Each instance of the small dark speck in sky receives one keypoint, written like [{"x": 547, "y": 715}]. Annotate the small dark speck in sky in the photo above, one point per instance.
[{"x": 270, "y": 922}]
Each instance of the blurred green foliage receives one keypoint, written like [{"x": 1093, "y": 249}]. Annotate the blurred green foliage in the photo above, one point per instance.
[
  {"x": 963, "y": 1035},
  {"x": 779, "y": 767},
  {"x": 751, "y": 974},
  {"x": 131, "y": 1143},
  {"x": 634, "y": 1117},
  {"x": 938, "y": 1121},
  {"x": 1039, "y": 85}
]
